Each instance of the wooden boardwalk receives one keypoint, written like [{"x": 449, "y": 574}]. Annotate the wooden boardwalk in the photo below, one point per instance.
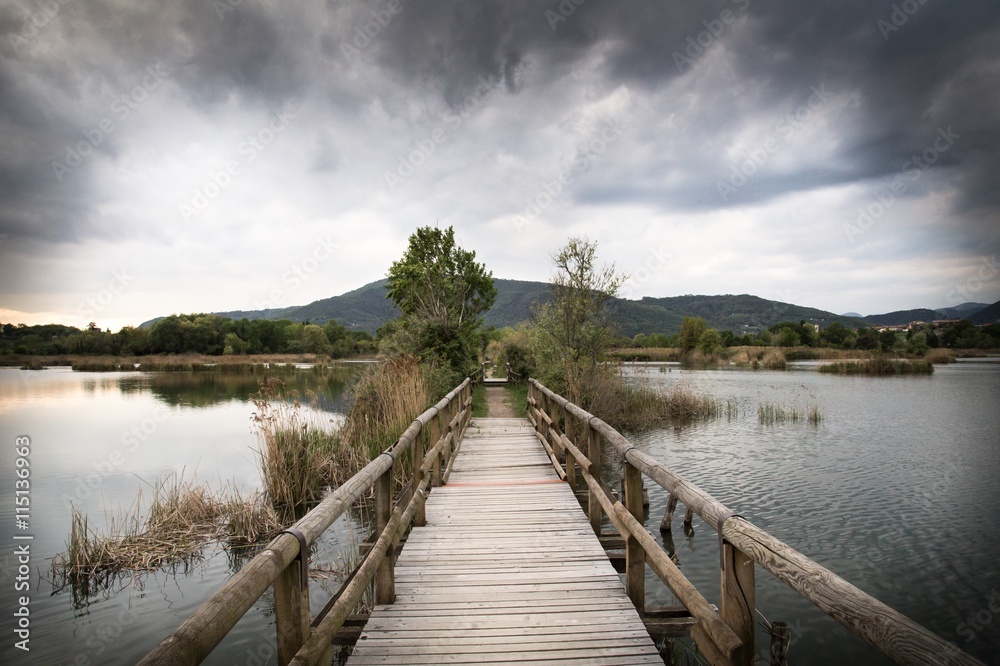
[{"x": 507, "y": 570}]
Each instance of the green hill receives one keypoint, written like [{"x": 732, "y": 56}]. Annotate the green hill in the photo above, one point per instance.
[{"x": 367, "y": 308}]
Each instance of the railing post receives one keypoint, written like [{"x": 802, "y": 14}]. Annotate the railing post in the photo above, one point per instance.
[
  {"x": 385, "y": 577},
  {"x": 635, "y": 556},
  {"x": 570, "y": 432},
  {"x": 594, "y": 455},
  {"x": 738, "y": 600},
  {"x": 543, "y": 405},
  {"x": 420, "y": 516},
  {"x": 291, "y": 611},
  {"x": 439, "y": 432}
]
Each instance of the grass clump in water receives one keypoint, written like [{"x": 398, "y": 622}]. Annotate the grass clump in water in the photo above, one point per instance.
[
  {"x": 295, "y": 449},
  {"x": 772, "y": 413},
  {"x": 182, "y": 517},
  {"x": 628, "y": 407},
  {"x": 384, "y": 401},
  {"x": 879, "y": 367},
  {"x": 940, "y": 356}
]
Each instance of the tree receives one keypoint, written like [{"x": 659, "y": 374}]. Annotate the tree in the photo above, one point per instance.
[
  {"x": 710, "y": 342},
  {"x": 887, "y": 339},
  {"x": 575, "y": 324},
  {"x": 442, "y": 291},
  {"x": 835, "y": 334},
  {"x": 692, "y": 328}
]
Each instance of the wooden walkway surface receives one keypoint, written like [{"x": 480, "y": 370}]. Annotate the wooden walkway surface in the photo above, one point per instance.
[{"x": 507, "y": 570}]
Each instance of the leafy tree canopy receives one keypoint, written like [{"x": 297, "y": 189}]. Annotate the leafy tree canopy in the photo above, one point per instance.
[
  {"x": 441, "y": 290},
  {"x": 440, "y": 283}
]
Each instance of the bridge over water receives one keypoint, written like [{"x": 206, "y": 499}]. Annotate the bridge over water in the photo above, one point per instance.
[{"x": 493, "y": 552}]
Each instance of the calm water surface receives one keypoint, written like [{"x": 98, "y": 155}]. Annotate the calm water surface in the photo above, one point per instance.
[
  {"x": 897, "y": 490},
  {"x": 97, "y": 439}
]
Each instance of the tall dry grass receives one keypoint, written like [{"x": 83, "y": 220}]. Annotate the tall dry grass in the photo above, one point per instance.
[
  {"x": 384, "y": 401},
  {"x": 295, "y": 448},
  {"x": 181, "y": 519},
  {"x": 940, "y": 356},
  {"x": 629, "y": 407},
  {"x": 879, "y": 367}
]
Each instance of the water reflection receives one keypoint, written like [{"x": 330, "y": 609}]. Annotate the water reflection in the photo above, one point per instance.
[{"x": 97, "y": 439}]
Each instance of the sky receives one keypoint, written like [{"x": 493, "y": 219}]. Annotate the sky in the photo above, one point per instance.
[{"x": 212, "y": 155}]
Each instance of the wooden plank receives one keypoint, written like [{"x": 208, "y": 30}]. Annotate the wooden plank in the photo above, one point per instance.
[{"x": 507, "y": 569}]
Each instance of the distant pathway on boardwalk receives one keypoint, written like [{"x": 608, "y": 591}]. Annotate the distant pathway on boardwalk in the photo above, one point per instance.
[
  {"x": 507, "y": 570},
  {"x": 498, "y": 403}
]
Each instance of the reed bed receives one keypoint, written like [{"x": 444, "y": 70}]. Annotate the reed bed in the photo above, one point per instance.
[
  {"x": 879, "y": 367},
  {"x": 294, "y": 450},
  {"x": 769, "y": 358},
  {"x": 772, "y": 413},
  {"x": 940, "y": 356},
  {"x": 181, "y": 518},
  {"x": 629, "y": 407},
  {"x": 384, "y": 401},
  {"x": 646, "y": 354}
]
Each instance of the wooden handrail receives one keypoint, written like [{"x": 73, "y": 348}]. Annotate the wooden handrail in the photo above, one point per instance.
[
  {"x": 881, "y": 626},
  {"x": 216, "y": 617}
]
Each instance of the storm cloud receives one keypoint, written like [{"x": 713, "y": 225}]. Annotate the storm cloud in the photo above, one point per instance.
[{"x": 838, "y": 154}]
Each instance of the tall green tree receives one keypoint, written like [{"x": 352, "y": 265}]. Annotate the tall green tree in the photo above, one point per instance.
[
  {"x": 442, "y": 292},
  {"x": 692, "y": 328}
]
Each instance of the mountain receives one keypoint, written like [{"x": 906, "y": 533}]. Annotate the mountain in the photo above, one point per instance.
[
  {"x": 367, "y": 308},
  {"x": 963, "y": 311},
  {"x": 901, "y": 317},
  {"x": 853, "y": 314},
  {"x": 988, "y": 315},
  {"x": 741, "y": 313}
]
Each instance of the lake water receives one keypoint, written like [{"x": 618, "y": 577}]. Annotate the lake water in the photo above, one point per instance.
[
  {"x": 896, "y": 490},
  {"x": 97, "y": 439}
]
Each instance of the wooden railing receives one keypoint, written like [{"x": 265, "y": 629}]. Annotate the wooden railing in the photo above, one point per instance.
[
  {"x": 512, "y": 376},
  {"x": 727, "y": 637},
  {"x": 433, "y": 438}
]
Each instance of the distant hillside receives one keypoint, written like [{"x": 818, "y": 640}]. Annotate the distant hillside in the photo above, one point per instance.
[
  {"x": 988, "y": 315},
  {"x": 741, "y": 314},
  {"x": 513, "y": 302},
  {"x": 367, "y": 308},
  {"x": 963, "y": 311},
  {"x": 901, "y": 317}
]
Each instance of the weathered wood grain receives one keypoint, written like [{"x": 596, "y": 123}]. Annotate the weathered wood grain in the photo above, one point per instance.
[{"x": 507, "y": 569}]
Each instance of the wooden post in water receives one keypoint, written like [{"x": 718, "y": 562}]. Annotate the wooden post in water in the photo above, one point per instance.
[
  {"x": 594, "y": 455},
  {"x": 666, "y": 525},
  {"x": 635, "y": 555},
  {"x": 780, "y": 641},
  {"x": 385, "y": 576},
  {"x": 738, "y": 599},
  {"x": 291, "y": 610}
]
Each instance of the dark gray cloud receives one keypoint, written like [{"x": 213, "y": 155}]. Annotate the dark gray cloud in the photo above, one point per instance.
[{"x": 517, "y": 89}]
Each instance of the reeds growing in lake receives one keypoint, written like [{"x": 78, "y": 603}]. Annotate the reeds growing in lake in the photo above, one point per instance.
[
  {"x": 173, "y": 530},
  {"x": 772, "y": 413},
  {"x": 629, "y": 407},
  {"x": 294, "y": 448},
  {"x": 879, "y": 367},
  {"x": 940, "y": 356}
]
